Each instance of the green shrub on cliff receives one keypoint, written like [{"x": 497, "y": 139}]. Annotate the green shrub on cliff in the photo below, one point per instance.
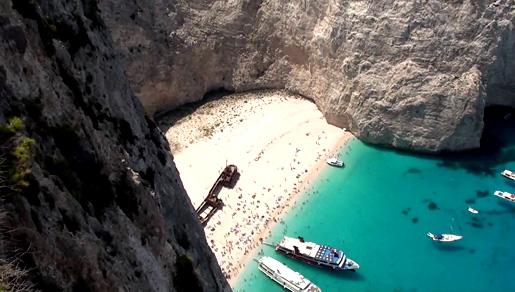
[
  {"x": 15, "y": 125},
  {"x": 22, "y": 153},
  {"x": 19, "y": 152}
]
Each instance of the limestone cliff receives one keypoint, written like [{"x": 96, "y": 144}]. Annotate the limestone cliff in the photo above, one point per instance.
[
  {"x": 95, "y": 202},
  {"x": 415, "y": 74}
]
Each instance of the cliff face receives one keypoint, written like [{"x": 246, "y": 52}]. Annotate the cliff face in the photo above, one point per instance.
[
  {"x": 412, "y": 74},
  {"x": 96, "y": 203}
]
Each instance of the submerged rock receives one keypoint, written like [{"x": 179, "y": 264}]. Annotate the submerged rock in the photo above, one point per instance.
[
  {"x": 482, "y": 194},
  {"x": 475, "y": 224},
  {"x": 432, "y": 206},
  {"x": 470, "y": 201}
]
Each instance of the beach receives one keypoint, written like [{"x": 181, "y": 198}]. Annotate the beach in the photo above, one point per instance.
[{"x": 278, "y": 141}]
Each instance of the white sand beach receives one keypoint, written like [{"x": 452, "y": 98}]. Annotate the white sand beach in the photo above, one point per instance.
[{"x": 277, "y": 140}]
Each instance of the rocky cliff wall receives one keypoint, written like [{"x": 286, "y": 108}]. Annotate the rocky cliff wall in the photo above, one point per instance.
[
  {"x": 414, "y": 74},
  {"x": 94, "y": 200}
]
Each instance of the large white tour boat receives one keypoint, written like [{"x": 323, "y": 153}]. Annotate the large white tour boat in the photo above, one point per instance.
[
  {"x": 505, "y": 195},
  {"x": 285, "y": 276},
  {"x": 508, "y": 174},
  {"x": 315, "y": 254}
]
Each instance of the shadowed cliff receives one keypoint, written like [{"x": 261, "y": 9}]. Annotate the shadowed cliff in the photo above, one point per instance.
[
  {"x": 93, "y": 199},
  {"x": 410, "y": 74}
]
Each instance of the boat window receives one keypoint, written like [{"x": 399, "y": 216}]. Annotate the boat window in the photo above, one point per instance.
[{"x": 309, "y": 247}]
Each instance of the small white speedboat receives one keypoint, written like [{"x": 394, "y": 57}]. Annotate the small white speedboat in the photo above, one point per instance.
[
  {"x": 334, "y": 162},
  {"x": 472, "y": 210},
  {"x": 444, "y": 237},
  {"x": 508, "y": 174},
  {"x": 505, "y": 195}
]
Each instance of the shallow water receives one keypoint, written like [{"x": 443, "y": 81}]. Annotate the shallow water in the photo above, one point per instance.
[{"x": 379, "y": 207}]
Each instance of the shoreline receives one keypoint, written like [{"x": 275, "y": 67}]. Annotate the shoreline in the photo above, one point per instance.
[
  {"x": 278, "y": 141},
  {"x": 310, "y": 178}
]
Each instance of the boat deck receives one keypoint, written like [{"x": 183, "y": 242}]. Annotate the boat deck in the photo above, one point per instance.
[
  {"x": 312, "y": 250},
  {"x": 328, "y": 254},
  {"x": 509, "y": 174},
  {"x": 286, "y": 273}
]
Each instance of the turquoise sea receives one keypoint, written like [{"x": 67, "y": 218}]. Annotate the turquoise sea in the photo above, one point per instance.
[{"x": 380, "y": 206}]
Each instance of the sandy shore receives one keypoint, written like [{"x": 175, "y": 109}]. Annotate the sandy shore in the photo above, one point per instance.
[{"x": 277, "y": 140}]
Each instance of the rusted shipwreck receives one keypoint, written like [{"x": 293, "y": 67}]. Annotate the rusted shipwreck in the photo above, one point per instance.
[{"x": 212, "y": 202}]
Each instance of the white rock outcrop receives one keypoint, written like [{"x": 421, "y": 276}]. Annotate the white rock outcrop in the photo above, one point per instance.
[{"x": 414, "y": 74}]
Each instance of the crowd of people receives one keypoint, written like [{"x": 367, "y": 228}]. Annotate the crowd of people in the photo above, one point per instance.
[{"x": 234, "y": 232}]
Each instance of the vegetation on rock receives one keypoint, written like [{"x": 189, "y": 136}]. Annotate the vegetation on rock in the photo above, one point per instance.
[
  {"x": 11, "y": 275},
  {"x": 19, "y": 151}
]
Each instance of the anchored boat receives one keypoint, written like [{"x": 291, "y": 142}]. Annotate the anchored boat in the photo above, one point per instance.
[
  {"x": 285, "y": 276},
  {"x": 334, "y": 162},
  {"x": 444, "y": 237},
  {"x": 315, "y": 254},
  {"x": 505, "y": 195},
  {"x": 508, "y": 174}
]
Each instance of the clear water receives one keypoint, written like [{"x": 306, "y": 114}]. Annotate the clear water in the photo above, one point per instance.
[{"x": 380, "y": 206}]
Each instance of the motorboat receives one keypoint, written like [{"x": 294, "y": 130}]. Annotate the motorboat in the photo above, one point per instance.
[
  {"x": 508, "y": 174},
  {"x": 334, "y": 162},
  {"x": 472, "y": 210},
  {"x": 505, "y": 195},
  {"x": 285, "y": 276}
]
